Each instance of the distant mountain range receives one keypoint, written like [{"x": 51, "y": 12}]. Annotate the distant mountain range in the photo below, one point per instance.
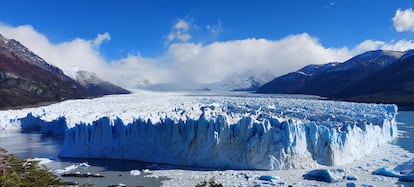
[
  {"x": 375, "y": 76},
  {"x": 234, "y": 82},
  {"x": 27, "y": 79}
]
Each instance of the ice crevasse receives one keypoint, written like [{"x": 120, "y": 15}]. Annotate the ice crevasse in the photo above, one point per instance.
[{"x": 233, "y": 132}]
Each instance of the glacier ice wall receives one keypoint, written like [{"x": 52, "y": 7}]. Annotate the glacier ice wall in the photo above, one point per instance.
[{"x": 238, "y": 132}]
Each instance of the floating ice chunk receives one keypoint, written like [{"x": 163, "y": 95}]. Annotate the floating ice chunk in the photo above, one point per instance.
[
  {"x": 84, "y": 165},
  {"x": 67, "y": 169},
  {"x": 268, "y": 178},
  {"x": 320, "y": 175},
  {"x": 404, "y": 171},
  {"x": 272, "y": 180},
  {"x": 351, "y": 184},
  {"x": 134, "y": 172},
  {"x": 351, "y": 178},
  {"x": 384, "y": 171}
]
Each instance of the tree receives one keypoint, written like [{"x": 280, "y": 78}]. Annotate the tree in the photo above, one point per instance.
[{"x": 17, "y": 172}]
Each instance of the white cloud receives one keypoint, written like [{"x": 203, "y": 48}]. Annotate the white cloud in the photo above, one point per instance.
[
  {"x": 134, "y": 71},
  {"x": 215, "y": 29},
  {"x": 215, "y": 61},
  {"x": 182, "y": 25},
  {"x": 184, "y": 37},
  {"x": 100, "y": 38},
  {"x": 404, "y": 20},
  {"x": 192, "y": 62},
  {"x": 180, "y": 32},
  {"x": 368, "y": 45}
]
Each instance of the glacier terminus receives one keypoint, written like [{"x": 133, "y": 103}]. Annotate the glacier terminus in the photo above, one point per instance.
[{"x": 229, "y": 131}]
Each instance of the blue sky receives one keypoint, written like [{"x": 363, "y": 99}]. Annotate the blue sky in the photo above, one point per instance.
[
  {"x": 153, "y": 32},
  {"x": 142, "y": 26}
]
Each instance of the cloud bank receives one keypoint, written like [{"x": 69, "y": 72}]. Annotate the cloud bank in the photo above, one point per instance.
[
  {"x": 215, "y": 61},
  {"x": 404, "y": 20},
  {"x": 189, "y": 62}
]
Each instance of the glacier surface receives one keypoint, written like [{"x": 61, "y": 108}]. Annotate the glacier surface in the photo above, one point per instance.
[{"x": 264, "y": 132}]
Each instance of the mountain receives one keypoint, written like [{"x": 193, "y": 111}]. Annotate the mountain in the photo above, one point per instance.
[
  {"x": 27, "y": 79},
  {"x": 295, "y": 81},
  {"x": 393, "y": 84},
  {"x": 97, "y": 86},
  {"x": 328, "y": 79},
  {"x": 383, "y": 74},
  {"x": 234, "y": 82},
  {"x": 242, "y": 82}
]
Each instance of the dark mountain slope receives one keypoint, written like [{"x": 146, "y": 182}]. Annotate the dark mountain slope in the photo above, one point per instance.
[
  {"x": 97, "y": 86},
  {"x": 292, "y": 83},
  {"x": 393, "y": 84},
  {"x": 331, "y": 78},
  {"x": 26, "y": 79}
]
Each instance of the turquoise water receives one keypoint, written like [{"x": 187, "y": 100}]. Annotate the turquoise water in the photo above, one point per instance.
[
  {"x": 405, "y": 121},
  {"x": 406, "y": 137}
]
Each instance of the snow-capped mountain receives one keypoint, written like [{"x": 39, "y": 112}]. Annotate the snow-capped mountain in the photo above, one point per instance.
[
  {"x": 243, "y": 82},
  {"x": 374, "y": 60},
  {"x": 344, "y": 80},
  {"x": 26, "y": 79},
  {"x": 294, "y": 81},
  {"x": 328, "y": 79},
  {"x": 316, "y": 69},
  {"x": 23, "y": 53},
  {"x": 234, "y": 82},
  {"x": 97, "y": 86},
  {"x": 393, "y": 84}
]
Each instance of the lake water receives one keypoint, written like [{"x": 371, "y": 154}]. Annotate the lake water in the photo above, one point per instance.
[
  {"x": 406, "y": 127},
  {"x": 33, "y": 144}
]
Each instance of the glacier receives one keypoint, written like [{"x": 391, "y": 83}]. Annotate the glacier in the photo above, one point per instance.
[{"x": 236, "y": 131}]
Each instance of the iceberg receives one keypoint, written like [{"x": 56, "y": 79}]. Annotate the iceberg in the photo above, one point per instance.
[
  {"x": 265, "y": 132},
  {"x": 320, "y": 175},
  {"x": 404, "y": 171}
]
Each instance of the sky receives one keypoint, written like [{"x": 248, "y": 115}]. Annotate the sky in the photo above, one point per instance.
[{"x": 134, "y": 42}]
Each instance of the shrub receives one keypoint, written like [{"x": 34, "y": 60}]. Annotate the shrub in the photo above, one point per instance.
[{"x": 17, "y": 172}]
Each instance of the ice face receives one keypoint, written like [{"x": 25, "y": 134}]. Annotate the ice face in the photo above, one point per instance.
[{"x": 238, "y": 132}]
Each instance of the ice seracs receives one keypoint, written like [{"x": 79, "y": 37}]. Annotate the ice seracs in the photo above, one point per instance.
[{"x": 215, "y": 131}]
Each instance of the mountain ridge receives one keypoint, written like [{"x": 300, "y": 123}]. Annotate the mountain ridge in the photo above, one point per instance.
[
  {"x": 26, "y": 79},
  {"x": 346, "y": 80}
]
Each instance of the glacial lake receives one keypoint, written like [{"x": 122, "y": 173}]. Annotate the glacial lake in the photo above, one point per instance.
[{"x": 33, "y": 144}]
